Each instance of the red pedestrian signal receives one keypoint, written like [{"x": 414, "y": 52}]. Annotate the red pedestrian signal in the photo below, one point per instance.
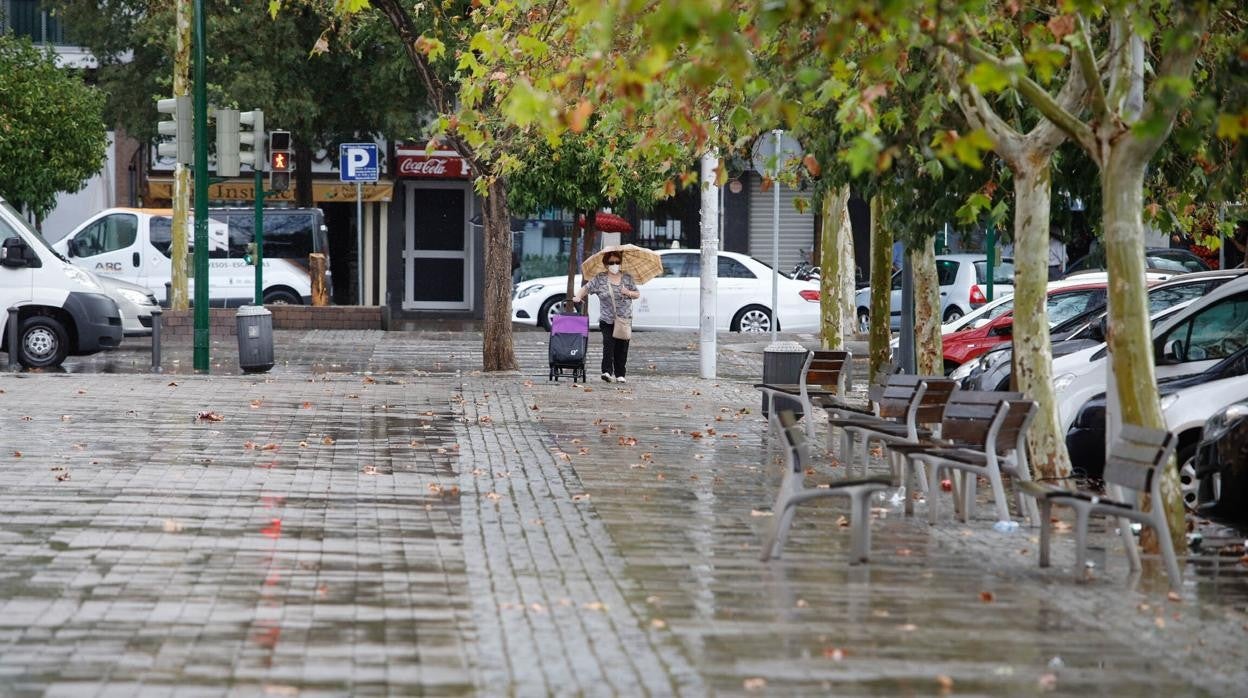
[{"x": 279, "y": 161}]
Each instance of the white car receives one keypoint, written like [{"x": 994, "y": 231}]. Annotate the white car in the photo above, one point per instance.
[
  {"x": 135, "y": 302},
  {"x": 670, "y": 301},
  {"x": 1187, "y": 338},
  {"x": 960, "y": 276}
]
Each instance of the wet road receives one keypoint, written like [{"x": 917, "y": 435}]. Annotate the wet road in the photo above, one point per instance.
[{"x": 425, "y": 529}]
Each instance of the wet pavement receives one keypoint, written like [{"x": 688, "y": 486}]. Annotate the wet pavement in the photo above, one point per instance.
[{"x": 377, "y": 517}]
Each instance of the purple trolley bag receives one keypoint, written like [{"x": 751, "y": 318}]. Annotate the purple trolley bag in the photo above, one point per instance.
[{"x": 569, "y": 341}]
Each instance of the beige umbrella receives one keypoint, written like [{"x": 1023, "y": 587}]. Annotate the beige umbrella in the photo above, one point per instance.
[{"x": 637, "y": 262}]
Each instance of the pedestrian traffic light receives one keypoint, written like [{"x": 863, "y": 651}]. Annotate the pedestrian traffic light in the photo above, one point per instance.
[
  {"x": 279, "y": 160},
  {"x": 180, "y": 129},
  {"x": 227, "y": 142}
]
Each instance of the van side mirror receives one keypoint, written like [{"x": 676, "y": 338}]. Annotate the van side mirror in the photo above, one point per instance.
[{"x": 13, "y": 253}]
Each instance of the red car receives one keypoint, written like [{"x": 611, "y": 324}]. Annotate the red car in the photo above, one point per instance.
[{"x": 1064, "y": 301}]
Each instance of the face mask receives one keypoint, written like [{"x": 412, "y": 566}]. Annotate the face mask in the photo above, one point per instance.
[{"x": 613, "y": 268}]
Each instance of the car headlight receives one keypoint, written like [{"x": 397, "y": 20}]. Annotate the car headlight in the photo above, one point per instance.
[
  {"x": 994, "y": 359},
  {"x": 133, "y": 296},
  {"x": 964, "y": 370},
  {"x": 529, "y": 290},
  {"x": 1062, "y": 382},
  {"x": 1222, "y": 420}
]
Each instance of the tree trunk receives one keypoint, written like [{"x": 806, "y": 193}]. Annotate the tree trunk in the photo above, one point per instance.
[
  {"x": 832, "y": 304},
  {"x": 929, "y": 358},
  {"x": 497, "y": 350},
  {"x": 1130, "y": 332},
  {"x": 590, "y": 235},
  {"x": 179, "y": 295},
  {"x": 1033, "y": 362},
  {"x": 881, "y": 290}
]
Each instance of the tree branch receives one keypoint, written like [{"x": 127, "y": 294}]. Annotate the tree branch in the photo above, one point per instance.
[
  {"x": 1047, "y": 135},
  {"x": 1176, "y": 65},
  {"x": 1087, "y": 63},
  {"x": 1006, "y": 141},
  {"x": 1043, "y": 102}
]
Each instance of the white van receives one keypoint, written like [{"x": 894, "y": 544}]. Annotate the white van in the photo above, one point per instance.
[
  {"x": 62, "y": 310},
  {"x": 134, "y": 244}
]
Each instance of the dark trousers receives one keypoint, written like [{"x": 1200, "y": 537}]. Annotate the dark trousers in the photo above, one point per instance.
[{"x": 614, "y": 351}]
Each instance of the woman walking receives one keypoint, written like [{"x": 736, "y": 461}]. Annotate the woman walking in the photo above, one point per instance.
[{"x": 616, "y": 291}]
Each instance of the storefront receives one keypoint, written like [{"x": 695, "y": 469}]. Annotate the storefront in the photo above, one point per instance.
[{"x": 438, "y": 245}]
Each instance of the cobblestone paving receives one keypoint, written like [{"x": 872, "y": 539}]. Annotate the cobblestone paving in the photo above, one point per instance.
[{"x": 427, "y": 529}]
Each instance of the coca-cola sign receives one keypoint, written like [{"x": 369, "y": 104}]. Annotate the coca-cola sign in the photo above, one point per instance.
[{"x": 440, "y": 164}]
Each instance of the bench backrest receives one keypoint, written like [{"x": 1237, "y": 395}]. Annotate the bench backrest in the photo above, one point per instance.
[
  {"x": 897, "y": 399},
  {"x": 794, "y": 439},
  {"x": 1136, "y": 456},
  {"x": 971, "y": 415},
  {"x": 827, "y": 369}
]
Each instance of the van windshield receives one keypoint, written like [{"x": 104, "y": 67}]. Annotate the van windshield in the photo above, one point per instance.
[{"x": 33, "y": 234}]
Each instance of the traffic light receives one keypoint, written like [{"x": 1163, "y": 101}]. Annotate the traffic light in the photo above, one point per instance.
[
  {"x": 236, "y": 147},
  {"x": 251, "y": 143},
  {"x": 279, "y": 160},
  {"x": 181, "y": 129},
  {"x": 227, "y": 142}
]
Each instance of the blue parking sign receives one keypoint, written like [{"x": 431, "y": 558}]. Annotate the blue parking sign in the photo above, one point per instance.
[{"x": 357, "y": 162}]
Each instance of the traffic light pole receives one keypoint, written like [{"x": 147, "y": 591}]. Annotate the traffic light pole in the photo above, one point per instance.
[
  {"x": 201, "y": 191},
  {"x": 259, "y": 234}
]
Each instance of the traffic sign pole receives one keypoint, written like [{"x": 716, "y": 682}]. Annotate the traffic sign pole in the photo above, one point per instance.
[
  {"x": 359, "y": 241},
  {"x": 200, "y": 358},
  {"x": 358, "y": 162},
  {"x": 259, "y": 233}
]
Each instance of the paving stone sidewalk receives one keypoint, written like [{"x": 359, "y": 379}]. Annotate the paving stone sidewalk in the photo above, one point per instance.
[{"x": 375, "y": 517}]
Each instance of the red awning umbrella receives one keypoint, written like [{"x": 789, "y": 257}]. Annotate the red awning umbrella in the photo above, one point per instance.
[{"x": 607, "y": 223}]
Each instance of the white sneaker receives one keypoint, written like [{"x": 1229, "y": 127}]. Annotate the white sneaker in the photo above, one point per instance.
[
  {"x": 607, "y": 377},
  {"x": 621, "y": 379}
]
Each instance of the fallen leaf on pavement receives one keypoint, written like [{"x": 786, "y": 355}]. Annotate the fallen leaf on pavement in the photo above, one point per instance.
[
  {"x": 255, "y": 404},
  {"x": 65, "y": 418},
  {"x": 658, "y": 623},
  {"x": 210, "y": 417},
  {"x": 1048, "y": 682},
  {"x": 628, "y": 441},
  {"x": 945, "y": 683},
  {"x": 1174, "y": 596},
  {"x": 758, "y": 512},
  {"x": 987, "y": 596},
  {"x": 369, "y": 380},
  {"x": 62, "y": 477},
  {"x": 493, "y": 496},
  {"x": 328, "y": 440},
  {"x": 172, "y": 526},
  {"x": 842, "y": 522},
  {"x": 756, "y": 683},
  {"x": 17, "y": 454}
]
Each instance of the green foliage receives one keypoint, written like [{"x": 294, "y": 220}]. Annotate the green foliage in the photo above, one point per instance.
[
  {"x": 324, "y": 87},
  {"x": 52, "y": 134}
]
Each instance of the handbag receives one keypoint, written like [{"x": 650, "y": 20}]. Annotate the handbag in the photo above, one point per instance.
[{"x": 623, "y": 327}]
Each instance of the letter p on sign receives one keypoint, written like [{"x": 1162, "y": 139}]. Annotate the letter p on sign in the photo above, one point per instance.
[{"x": 357, "y": 162}]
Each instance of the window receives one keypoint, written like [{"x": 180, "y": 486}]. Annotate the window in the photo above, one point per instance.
[
  {"x": 678, "y": 265},
  {"x": 897, "y": 281},
  {"x": 1214, "y": 333},
  {"x": 1064, "y": 306},
  {"x": 732, "y": 269},
  {"x": 1162, "y": 298},
  {"x": 109, "y": 234},
  {"x": 947, "y": 272},
  {"x": 1187, "y": 260},
  {"x": 160, "y": 230},
  {"x": 1002, "y": 273}
]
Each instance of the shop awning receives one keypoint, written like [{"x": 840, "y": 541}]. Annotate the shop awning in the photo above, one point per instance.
[{"x": 328, "y": 192}]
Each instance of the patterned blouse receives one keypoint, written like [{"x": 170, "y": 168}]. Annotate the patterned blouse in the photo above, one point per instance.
[{"x": 604, "y": 289}]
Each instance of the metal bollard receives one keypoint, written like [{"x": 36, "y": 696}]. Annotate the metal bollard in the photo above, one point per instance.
[
  {"x": 156, "y": 340},
  {"x": 12, "y": 332}
]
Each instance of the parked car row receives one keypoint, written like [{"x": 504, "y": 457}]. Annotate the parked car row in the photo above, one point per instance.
[{"x": 671, "y": 301}]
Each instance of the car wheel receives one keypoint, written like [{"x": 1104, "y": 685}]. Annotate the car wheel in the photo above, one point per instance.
[
  {"x": 864, "y": 321},
  {"x": 44, "y": 342},
  {"x": 547, "y": 311},
  {"x": 753, "y": 319},
  {"x": 1189, "y": 484},
  {"x": 952, "y": 314},
  {"x": 280, "y": 296}
]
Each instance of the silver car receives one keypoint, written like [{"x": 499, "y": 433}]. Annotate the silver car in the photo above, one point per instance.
[
  {"x": 963, "y": 288},
  {"x": 135, "y": 302}
]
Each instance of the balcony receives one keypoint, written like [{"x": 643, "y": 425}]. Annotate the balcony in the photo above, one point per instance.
[{"x": 29, "y": 18}]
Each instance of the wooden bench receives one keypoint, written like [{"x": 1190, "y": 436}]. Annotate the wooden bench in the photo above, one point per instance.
[
  {"x": 1134, "y": 466},
  {"x": 981, "y": 433},
  {"x": 904, "y": 404},
  {"x": 825, "y": 376},
  {"x": 793, "y": 492}
]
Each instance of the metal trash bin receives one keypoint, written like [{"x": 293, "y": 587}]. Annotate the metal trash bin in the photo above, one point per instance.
[
  {"x": 782, "y": 363},
  {"x": 255, "y": 338}
]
